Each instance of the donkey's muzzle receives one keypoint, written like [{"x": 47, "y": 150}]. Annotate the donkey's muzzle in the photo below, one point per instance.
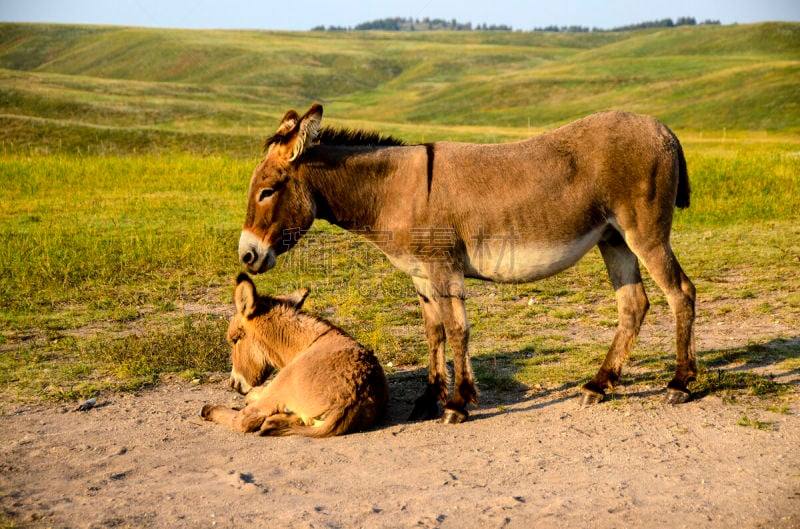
[
  {"x": 256, "y": 256},
  {"x": 239, "y": 384}
]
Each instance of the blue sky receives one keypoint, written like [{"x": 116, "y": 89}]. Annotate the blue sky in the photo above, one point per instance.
[{"x": 305, "y": 14}]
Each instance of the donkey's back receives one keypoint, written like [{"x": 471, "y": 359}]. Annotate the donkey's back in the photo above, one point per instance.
[{"x": 523, "y": 211}]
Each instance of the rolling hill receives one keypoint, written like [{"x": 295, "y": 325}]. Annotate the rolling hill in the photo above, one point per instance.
[{"x": 131, "y": 89}]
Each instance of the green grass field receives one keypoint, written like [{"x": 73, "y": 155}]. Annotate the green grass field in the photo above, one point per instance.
[{"x": 125, "y": 156}]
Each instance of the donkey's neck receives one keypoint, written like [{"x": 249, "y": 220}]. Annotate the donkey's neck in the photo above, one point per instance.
[
  {"x": 348, "y": 183},
  {"x": 290, "y": 336}
]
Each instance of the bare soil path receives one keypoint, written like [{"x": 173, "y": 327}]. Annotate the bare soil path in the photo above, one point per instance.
[{"x": 522, "y": 461}]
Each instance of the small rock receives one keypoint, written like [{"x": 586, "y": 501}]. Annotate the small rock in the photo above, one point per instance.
[{"x": 87, "y": 405}]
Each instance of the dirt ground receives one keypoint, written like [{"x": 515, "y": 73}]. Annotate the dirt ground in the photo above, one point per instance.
[
  {"x": 521, "y": 461},
  {"x": 525, "y": 459}
]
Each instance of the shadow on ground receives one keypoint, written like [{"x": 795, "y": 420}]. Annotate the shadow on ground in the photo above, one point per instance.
[{"x": 752, "y": 368}]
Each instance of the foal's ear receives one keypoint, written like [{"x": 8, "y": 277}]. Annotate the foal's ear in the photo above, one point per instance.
[
  {"x": 296, "y": 298},
  {"x": 244, "y": 296},
  {"x": 307, "y": 131}
]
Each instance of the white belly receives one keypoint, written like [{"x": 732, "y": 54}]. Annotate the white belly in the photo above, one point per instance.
[{"x": 509, "y": 260}]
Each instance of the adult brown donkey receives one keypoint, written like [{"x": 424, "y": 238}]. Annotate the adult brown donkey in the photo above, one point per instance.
[
  {"x": 328, "y": 383},
  {"x": 509, "y": 213}
]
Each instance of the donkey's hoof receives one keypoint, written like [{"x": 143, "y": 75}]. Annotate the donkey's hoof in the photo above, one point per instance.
[
  {"x": 590, "y": 398},
  {"x": 676, "y": 396},
  {"x": 452, "y": 416},
  {"x": 206, "y": 411}
]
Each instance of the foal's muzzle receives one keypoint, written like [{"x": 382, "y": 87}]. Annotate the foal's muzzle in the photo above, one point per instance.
[
  {"x": 256, "y": 256},
  {"x": 238, "y": 383}
]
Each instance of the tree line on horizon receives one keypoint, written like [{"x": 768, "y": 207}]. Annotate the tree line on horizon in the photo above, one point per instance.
[{"x": 438, "y": 24}]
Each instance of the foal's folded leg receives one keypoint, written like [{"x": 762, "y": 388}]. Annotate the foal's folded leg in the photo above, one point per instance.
[
  {"x": 280, "y": 423},
  {"x": 218, "y": 414},
  {"x": 247, "y": 420}
]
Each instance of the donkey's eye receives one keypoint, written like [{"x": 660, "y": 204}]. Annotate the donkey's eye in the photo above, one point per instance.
[
  {"x": 236, "y": 336},
  {"x": 265, "y": 194}
]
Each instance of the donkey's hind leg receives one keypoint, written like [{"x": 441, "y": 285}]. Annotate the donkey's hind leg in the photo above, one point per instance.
[
  {"x": 281, "y": 423},
  {"x": 632, "y": 305},
  {"x": 680, "y": 292}
]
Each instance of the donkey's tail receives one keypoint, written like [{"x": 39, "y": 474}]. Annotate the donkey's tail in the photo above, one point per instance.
[{"x": 682, "y": 198}]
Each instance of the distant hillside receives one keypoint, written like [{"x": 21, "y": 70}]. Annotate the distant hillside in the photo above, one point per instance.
[
  {"x": 134, "y": 88},
  {"x": 438, "y": 24}
]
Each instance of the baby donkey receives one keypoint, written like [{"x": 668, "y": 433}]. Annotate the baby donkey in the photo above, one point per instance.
[{"x": 328, "y": 383}]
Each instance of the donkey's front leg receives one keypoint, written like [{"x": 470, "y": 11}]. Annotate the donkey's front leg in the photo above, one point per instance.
[
  {"x": 218, "y": 414},
  {"x": 454, "y": 314},
  {"x": 246, "y": 420},
  {"x": 426, "y": 406},
  {"x": 453, "y": 311}
]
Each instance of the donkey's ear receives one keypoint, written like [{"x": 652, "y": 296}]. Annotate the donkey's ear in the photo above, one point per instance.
[
  {"x": 288, "y": 123},
  {"x": 296, "y": 298},
  {"x": 294, "y": 135},
  {"x": 244, "y": 296},
  {"x": 284, "y": 134},
  {"x": 307, "y": 131}
]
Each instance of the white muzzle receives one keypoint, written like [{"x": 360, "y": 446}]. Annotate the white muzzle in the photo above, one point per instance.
[{"x": 256, "y": 256}]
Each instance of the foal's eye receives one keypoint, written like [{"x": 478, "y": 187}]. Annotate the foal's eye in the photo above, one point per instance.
[
  {"x": 265, "y": 194},
  {"x": 235, "y": 337}
]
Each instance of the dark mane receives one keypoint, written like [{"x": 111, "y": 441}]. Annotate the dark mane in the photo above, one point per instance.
[
  {"x": 356, "y": 137},
  {"x": 275, "y": 138},
  {"x": 341, "y": 137}
]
